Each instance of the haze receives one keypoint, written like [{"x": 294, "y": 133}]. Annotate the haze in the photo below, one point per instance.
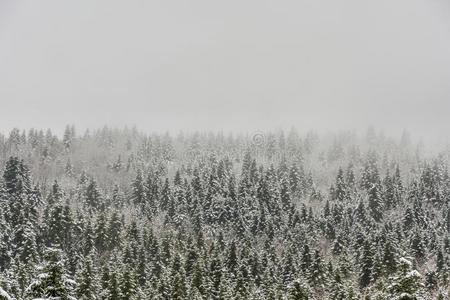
[{"x": 226, "y": 65}]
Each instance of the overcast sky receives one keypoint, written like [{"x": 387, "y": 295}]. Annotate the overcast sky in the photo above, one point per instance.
[{"x": 231, "y": 65}]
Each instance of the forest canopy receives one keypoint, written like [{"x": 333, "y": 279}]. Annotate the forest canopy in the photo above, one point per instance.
[{"x": 120, "y": 214}]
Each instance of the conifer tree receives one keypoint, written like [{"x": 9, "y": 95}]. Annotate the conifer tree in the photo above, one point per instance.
[
  {"x": 340, "y": 186},
  {"x": 375, "y": 203},
  {"x": 365, "y": 276},
  {"x": 407, "y": 284},
  {"x": 138, "y": 192},
  {"x": 52, "y": 281},
  {"x": 316, "y": 271},
  {"x": 298, "y": 291},
  {"x": 16, "y": 177},
  {"x": 93, "y": 196},
  {"x": 128, "y": 284},
  {"x": 88, "y": 283}
]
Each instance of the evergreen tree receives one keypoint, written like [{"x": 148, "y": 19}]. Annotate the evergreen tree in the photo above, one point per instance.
[
  {"x": 340, "y": 186},
  {"x": 88, "y": 283},
  {"x": 375, "y": 203},
  {"x": 16, "y": 177},
  {"x": 407, "y": 282},
  {"x": 298, "y": 291},
  {"x": 93, "y": 196},
  {"x": 316, "y": 272},
  {"x": 138, "y": 191},
  {"x": 128, "y": 284},
  {"x": 52, "y": 280},
  {"x": 365, "y": 276}
]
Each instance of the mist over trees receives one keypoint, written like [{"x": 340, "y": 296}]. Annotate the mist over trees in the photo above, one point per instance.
[{"x": 119, "y": 214}]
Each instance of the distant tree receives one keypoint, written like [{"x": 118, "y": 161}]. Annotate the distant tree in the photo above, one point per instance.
[
  {"x": 93, "y": 196},
  {"x": 16, "y": 177},
  {"x": 341, "y": 189},
  {"x": 375, "y": 203},
  {"x": 69, "y": 134},
  {"x": 138, "y": 191}
]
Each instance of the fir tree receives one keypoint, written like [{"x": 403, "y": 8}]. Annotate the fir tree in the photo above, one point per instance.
[
  {"x": 52, "y": 281},
  {"x": 365, "y": 276},
  {"x": 93, "y": 196},
  {"x": 407, "y": 282},
  {"x": 298, "y": 291},
  {"x": 88, "y": 283}
]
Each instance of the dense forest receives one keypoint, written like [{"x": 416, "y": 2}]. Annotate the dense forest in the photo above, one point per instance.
[{"x": 121, "y": 214}]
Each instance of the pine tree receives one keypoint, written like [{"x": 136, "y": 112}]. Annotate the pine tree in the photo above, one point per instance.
[
  {"x": 306, "y": 259},
  {"x": 114, "y": 231},
  {"x": 16, "y": 177},
  {"x": 166, "y": 196},
  {"x": 389, "y": 259},
  {"x": 316, "y": 272},
  {"x": 128, "y": 284},
  {"x": 440, "y": 262},
  {"x": 298, "y": 291},
  {"x": 52, "y": 281},
  {"x": 232, "y": 259},
  {"x": 138, "y": 190},
  {"x": 406, "y": 284},
  {"x": 365, "y": 276},
  {"x": 285, "y": 196},
  {"x": 141, "y": 269},
  {"x": 69, "y": 134},
  {"x": 113, "y": 286},
  {"x": 93, "y": 196},
  {"x": 88, "y": 236},
  {"x": 337, "y": 289},
  {"x": 5, "y": 242},
  {"x": 68, "y": 169},
  {"x": 417, "y": 246},
  {"x": 340, "y": 186},
  {"x": 408, "y": 219},
  {"x": 26, "y": 243},
  {"x": 375, "y": 203},
  {"x": 54, "y": 226},
  {"x": 370, "y": 174},
  {"x": 179, "y": 289},
  {"x": 101, "y": 235},
  {"x": 198, "y": 278},
  {"x": 88, "y": 283}
]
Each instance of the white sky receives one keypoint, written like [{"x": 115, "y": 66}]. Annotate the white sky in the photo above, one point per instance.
[{"x": 231, "y": 65}]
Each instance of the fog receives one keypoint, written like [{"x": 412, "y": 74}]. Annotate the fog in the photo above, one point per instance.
[{"x": 226, "y": 65}]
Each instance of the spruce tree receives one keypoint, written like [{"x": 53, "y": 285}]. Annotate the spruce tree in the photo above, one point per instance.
[
  {"x": 52, "y": 280},
  {"x": 88, "y": 283},
  {"x": 365, "y": 276}
]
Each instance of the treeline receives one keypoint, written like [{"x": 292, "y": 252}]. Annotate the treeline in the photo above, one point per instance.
[{"x": 118, "y": 214}]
